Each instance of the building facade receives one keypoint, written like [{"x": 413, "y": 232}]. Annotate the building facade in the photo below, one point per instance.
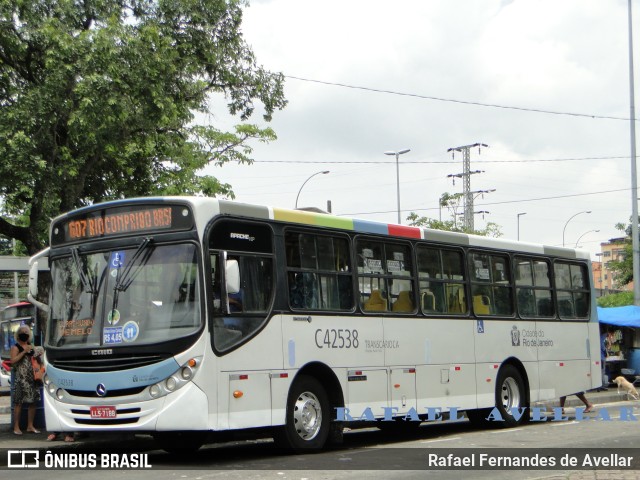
[{"x": 604, "y": 279}]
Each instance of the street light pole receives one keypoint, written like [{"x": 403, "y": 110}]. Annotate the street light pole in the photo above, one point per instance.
[
  {"x": 580, "y": 237},
  {"x": 323, "y": 172},
  {"x": 565, "y": 225},
  {"x": 519, "y": 215},
  {"x": 397, "y": 154}
]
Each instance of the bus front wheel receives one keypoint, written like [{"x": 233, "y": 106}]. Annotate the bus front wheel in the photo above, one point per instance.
[
  {"x": 307, "y": 418},
  {"x": 511, "y": 398}
]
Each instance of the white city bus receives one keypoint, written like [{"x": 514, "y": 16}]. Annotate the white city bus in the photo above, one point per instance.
[{"x": 187, "y": 317}]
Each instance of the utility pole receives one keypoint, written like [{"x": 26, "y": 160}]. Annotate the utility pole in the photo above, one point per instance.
[
  {"x": 635, "y": 241},
  {"x": 466, "y": 176}
]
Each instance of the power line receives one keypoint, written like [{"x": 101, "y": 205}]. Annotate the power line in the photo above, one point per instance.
[
  {"x": 447, "y": 162},
  {"x": 464, "y": 102},
  {"x": 499, "y": 203}
]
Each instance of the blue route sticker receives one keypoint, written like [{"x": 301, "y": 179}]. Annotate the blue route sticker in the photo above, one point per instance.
[
  {"x": 130, "y": 331},
  {"x": 112, "y": 335}
]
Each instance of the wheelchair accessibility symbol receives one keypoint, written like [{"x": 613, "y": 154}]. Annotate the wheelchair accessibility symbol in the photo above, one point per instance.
[{"x": 116, "y": 260}]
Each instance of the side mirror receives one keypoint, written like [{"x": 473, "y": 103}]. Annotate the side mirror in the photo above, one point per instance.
[
  {"x": 233, "y": 276},
  {"x": 33, "y": 279}
]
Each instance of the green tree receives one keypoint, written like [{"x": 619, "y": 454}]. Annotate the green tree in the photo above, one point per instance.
[
  {"x": 616, "y": 300},
  {"x": 452, "y": 202},
  {"x": 99, "y": 100},
  {"x": 6, "y": 248},
  {"x": 623, "y": 268}
]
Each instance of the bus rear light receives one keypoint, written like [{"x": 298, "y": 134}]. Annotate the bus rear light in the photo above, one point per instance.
[
  {"x": 397, "y": 385},
  {"x": 237, "y": 393}
]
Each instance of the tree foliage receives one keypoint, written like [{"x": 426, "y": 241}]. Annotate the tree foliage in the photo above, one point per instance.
[
  {"x": 616, "y": 300},
  {"x": 99, "y": 99},
  {"x": 452, "y": 203},
  {"x": 623, "y": 269}
]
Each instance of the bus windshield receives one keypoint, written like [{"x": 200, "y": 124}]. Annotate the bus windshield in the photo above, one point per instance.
[{"x": 136, "y": 295}]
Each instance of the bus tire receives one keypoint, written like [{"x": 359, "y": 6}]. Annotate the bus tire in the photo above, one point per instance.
[
  {"x": 308, "y": 417},
  {"x": 510, "y": 393}
]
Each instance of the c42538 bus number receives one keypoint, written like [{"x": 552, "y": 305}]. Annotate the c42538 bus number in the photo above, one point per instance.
[{"x": 337, "y": 338}]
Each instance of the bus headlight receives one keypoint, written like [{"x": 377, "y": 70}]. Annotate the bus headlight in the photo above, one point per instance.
[
  {"x": 52, "y": 389},
  {"x": 155, "y": 391},
  {"x": 171, "y": 383},
  {"x": 186, "y": 373},
  {"x": 176, "y": 380}
]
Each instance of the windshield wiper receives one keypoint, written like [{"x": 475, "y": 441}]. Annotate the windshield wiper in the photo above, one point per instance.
[
  {"x": 124, "y": 280},
  {"x": 84, "y": 279}
]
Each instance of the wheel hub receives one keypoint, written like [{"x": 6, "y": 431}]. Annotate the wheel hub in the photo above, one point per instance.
[
  {"x": 307, "y": 415},
  {"x": 510, "y": 394}
]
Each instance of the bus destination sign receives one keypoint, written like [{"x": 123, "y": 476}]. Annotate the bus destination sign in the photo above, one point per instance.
[{"x": 117, "y": 222}]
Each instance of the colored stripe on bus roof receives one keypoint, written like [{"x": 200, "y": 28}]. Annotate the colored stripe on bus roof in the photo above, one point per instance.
[
  {"x": 387, "y": 229},
  {"x": 312, "y": 218},
  {"x": 367, "y": 226},
  {"x": 403, "y": 231},
  {"x": 320, "y": 219}
]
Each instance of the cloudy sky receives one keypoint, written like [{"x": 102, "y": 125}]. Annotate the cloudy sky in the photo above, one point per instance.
[{"x": 369, "y": 76}]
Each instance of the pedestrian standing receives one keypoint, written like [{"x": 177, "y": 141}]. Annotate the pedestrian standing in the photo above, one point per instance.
[{"x": 25, "y": 389}]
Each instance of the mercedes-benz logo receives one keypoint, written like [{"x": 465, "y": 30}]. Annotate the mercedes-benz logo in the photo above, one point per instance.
[{"x": 101, "y": 390}]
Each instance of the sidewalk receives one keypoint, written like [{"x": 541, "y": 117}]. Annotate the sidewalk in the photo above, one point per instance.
[{"x": 143, "y": 442}]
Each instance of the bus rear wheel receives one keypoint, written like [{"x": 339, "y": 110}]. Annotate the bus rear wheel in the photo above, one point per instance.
[
  {"x": 511, "y": 394},
  {"x": 307, "y": 418}
]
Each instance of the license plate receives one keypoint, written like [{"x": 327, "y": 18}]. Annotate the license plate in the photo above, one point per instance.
[{"x": 103, "y": 412}]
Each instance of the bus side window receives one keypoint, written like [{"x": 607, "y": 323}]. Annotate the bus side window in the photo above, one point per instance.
[{"x": 318, "y": 271}]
